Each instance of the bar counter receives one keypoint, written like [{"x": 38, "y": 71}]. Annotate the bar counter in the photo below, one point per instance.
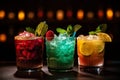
[{"x": 111, "y": 71}]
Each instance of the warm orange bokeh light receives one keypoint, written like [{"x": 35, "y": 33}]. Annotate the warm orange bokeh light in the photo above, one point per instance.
[
  {"x": 109, "y": 14},
  {"x": 21, "y": 15},
  {"x": 60, "y": 15},
  {"x": 80, "y": 14},
  {"x": 2, "y": 14},
  {"x": 3, "y": 38}
]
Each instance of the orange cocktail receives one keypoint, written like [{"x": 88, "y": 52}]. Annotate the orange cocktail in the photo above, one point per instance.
[{"x": 91, "y": 48}]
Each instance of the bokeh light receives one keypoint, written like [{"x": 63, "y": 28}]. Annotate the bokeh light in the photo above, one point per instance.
[
  {"x": 117, "y": 14},
  {"x": 80, "y": 14},
  {"x": 11, "y": 15},
  {"x": 50, "y": 14},
  {"x": 90, "y": 14},
  {"x": 2, "y": 14},
  {"x": 100, "y": 14},
  {"x": 40, "y": 13},
  {"x": 21, "y": 15},
  {"x": 59, "y": 14},
  {"x": 3, "y": 37},
  {"x": 69, "y": 13},
  {"x": 109, "y": 14},
  {"x": 30, "y": 15}
]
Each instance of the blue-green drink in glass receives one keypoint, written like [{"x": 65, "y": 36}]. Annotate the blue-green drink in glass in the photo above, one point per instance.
[{"x": 60, "y": 53}]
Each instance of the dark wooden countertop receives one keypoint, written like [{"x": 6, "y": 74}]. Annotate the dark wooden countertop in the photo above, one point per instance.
[{"x": 8, "y": 71}]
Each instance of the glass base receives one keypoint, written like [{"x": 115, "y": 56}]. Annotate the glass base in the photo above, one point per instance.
[
  {"x": 91, "y": 69},
  {"x": 29, "y": 73},
  {"x": 29, "y": 69},
  {"x": 59, "y": 70}
]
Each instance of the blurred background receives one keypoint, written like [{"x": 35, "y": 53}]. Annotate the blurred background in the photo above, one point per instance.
[{"x": 15, "y": 15}]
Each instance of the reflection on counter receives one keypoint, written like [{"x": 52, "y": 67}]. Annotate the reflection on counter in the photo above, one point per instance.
[{"x": 9, "y": 71}]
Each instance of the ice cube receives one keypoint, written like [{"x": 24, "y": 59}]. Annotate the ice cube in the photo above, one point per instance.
[
  {"x": 91, "y": 37},
  {"x": 63, "y": 36}
]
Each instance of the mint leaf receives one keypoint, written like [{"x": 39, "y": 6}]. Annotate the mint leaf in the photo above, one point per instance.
[
  {"x": 29, "y": 29},
  {"x": 60, "y": 30},
  {"x": 69, "y": 30},
  {"x": 92, "y": 33},
  {"x": 103, "y": 27},
  {"x": 77, "y": 27},
  {"x": 100, "y": 28}
]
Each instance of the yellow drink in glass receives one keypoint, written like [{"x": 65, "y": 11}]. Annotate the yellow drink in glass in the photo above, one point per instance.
[{"x": 90, "y": 51}]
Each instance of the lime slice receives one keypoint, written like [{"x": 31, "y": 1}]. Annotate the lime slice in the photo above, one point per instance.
[
  {"x": 86, "y": 48},
  {"x": 41, "y": 29},
  {"x": 105, "y": 37}
]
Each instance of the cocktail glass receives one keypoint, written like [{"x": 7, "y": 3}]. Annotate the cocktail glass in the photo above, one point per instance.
[
  {"x": 29, "y": 51},
  {"x": 90, "y": 50},
  {"x": 60, "y": 53}
]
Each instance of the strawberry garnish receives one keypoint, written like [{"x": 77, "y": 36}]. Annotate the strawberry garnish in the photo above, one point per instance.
[{"x": 50, "y": 35}]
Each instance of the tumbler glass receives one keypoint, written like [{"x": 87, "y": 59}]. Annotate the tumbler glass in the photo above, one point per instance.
[
  {"x": 29, "y": 53},
  {"x": 60, "y": 53}
]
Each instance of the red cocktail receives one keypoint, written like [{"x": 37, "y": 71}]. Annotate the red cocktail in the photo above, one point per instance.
[{"x": 29, "y": 51}]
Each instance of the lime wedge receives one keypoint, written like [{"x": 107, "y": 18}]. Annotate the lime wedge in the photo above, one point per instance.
[{"x": 41, "y": 29}]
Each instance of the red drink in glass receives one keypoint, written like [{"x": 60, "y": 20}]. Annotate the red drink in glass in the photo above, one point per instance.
[{"x": 29, "y": 52}]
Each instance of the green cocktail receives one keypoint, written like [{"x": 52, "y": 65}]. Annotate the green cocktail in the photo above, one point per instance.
[
  {"x": 60, "y": 49},
  {"x": 60, "y": 53}
]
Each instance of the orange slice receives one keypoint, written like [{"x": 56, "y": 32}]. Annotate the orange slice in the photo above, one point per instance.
[
  {"x": 86, "y": 48},
  {"x": 99, "y": 45},
  {"x": 105, "y": 37}
]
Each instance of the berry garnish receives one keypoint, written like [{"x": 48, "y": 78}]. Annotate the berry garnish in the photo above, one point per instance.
[{"x": 50, "y": 35}]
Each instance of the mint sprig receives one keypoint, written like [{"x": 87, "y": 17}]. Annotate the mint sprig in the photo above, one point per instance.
[
  {"x": 61, "y": 30},
  {"x": 70, "y": 29},
  {"x": 40, "y": 30},
  {"x": 100, "y": 28},
  {"x": 29, "y": 29},
  {"x": 103, "y": 27}
]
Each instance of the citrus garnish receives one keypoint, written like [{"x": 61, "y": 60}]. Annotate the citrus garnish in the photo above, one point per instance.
[
  {"x": 105, "y": 37},
  {"x": 41, "y": 29},
  {"x": 86, "y": 48},
  {"x": 99, "y": 46}
]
